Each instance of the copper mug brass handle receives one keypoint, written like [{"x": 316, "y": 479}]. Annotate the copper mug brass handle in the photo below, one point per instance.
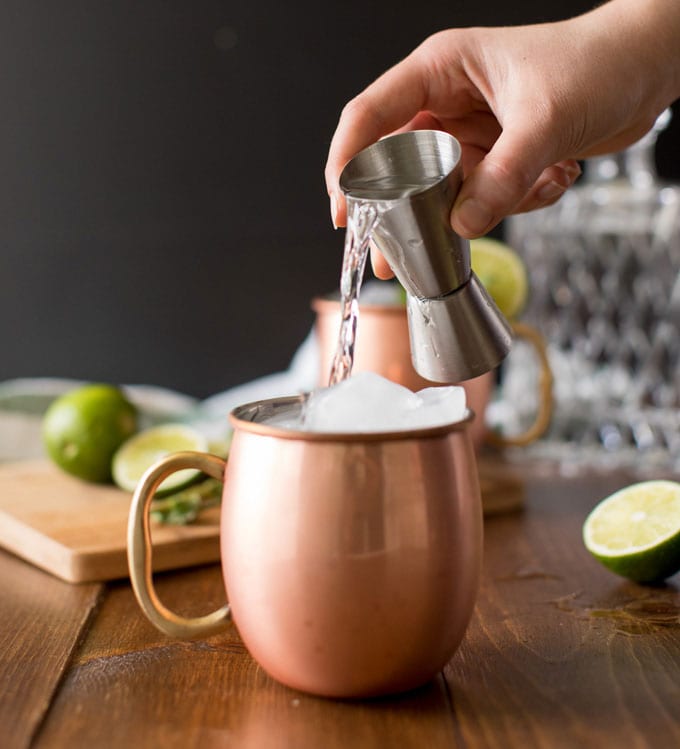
[
  {"x": 139, "y": 548},
  {"x": 545, "y": 392}
]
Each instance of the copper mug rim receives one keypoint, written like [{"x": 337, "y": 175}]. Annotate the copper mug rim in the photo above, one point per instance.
[{"x": 248, "y": 417}]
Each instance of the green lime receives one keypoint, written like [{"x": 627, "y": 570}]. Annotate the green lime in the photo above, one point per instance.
[
  {"x": 144, "y": 449},
  {"x": 636, "y": 531},
  {"x": 83, "y": 428},
  {"x": 502, "y": 272}
]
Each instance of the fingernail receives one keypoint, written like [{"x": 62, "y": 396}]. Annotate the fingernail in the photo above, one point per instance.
[
  {"x": 334, "y": 210},
  {"x": 474, "y": 216},
  {"x": 550, "y": 191}
]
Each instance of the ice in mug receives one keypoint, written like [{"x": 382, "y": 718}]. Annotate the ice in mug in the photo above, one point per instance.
[{"x": 367, "y": 402}]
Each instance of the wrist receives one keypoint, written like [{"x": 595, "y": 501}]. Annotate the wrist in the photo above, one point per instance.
[{"x": 647, "y": 32}]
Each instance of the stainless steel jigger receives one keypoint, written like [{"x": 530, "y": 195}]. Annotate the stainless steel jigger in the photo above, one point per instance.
[{"x": 456, "y": 330}]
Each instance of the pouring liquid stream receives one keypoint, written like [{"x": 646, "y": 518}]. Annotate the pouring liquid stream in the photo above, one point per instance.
[
  {"x": 370, "y": 198},
  {"x": 362, "y": 218}
]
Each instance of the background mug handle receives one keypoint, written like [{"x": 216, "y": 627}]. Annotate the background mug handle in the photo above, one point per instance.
[
  {"x": 139, "y": 548},
  {"x": 545, "y": 392}
]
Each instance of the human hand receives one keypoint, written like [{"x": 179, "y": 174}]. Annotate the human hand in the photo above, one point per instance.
[{"x": 525, "y": 102}]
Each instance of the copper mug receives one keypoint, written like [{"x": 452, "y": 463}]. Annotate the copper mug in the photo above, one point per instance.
[
  {"x": 351, "y": 561},
  {"x": 383, "y": 346}
]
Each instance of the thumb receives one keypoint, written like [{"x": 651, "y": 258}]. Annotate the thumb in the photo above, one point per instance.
[{"x": 500, "y": 181}]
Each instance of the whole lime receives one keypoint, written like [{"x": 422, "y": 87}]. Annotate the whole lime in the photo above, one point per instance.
[
  {"x": 502, "y": 272},
  {"x": 83, "y": 428}
]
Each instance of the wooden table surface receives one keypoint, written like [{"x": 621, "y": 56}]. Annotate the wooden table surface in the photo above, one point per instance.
[{"x": 559, "y": 653}]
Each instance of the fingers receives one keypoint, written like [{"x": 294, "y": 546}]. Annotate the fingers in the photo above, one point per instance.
[
  {"x": 387, "y": 104},
  {"x": 550, "y": 186},
  {"x": 380, "y": 266},
  {"x": 513, "y": 174},
  {"x": 513, "y": 144}
]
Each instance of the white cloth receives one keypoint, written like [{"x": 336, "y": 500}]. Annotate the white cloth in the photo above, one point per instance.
[{"x": 24, "y": 401}]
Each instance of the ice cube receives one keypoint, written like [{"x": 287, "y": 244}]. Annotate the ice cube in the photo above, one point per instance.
[
  {"x": 365, "y": 402},
  {"x": 368, "y": 402},
  {"x": 437, "y": 406}
]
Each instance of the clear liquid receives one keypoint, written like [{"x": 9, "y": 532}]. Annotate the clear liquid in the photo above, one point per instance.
[
  {"x": 362, "y": 218},
  {"x": 389, "y": 187},
  {"x": 369, "y": 198}
]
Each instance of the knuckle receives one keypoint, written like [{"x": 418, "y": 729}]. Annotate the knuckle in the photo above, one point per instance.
[
  {"x": 513, "y": 183},
  {"x": 361, "y": 111}
]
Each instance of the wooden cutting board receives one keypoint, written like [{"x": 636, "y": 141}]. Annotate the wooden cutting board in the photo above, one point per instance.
[{"x": 77, "y": 531}]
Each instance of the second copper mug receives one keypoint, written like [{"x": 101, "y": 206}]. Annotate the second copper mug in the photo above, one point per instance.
[
  {"x": 383, "y": 346},
  {"x": 351, "y": 562}
]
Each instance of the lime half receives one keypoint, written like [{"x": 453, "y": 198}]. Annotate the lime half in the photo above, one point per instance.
[
  {"x": 502, "y": 272},
  {"x": 636, "y": 531},
  {"x": 144, "y": 449}
]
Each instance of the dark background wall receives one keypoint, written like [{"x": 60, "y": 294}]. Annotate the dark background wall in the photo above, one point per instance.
[{"x": 163, "y": 212}]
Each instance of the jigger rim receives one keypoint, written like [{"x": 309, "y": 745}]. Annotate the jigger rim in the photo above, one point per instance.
[
  {"x": 268, "y": 407},
  {"x": 431, "y": 134}
]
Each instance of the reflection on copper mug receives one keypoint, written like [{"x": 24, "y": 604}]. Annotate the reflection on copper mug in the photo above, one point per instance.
[
  {"x": 351, "y": 562},
  {"x": 383, "y": 346}
]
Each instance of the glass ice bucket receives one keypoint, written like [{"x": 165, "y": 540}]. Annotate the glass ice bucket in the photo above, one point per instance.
[{"x": 604, "y": 268}]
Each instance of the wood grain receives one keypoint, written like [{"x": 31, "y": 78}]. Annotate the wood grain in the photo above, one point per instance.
[
  {"x": 562, "y": 653},
  {"x": 160, "y": 692},
  {"x": 559, "y": 653},
  {"x": 77, "y": 530},
  {"x": 42, "y": 620}
]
